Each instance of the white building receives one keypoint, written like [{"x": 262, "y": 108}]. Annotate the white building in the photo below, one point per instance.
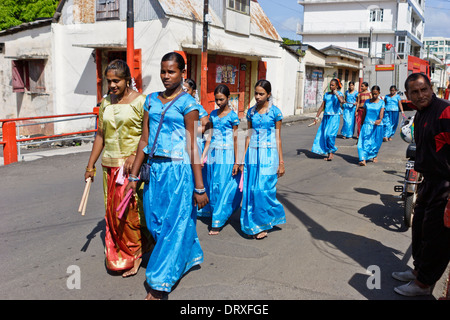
[
  {"x": 365, "y": 25},
  {"x": 55, "y": 66},
  {"x": 439, "y": 46}
]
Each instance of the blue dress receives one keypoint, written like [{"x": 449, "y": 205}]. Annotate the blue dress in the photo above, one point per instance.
[
  {"x": 206, "y": 210},
  {"x": 167, "y": 199},
  {"x": 224, "y": 194},
  {"x": 371, "y": 135},
  {"x": 391, "y": 114},
  {"x": 324, "y": 142},
  {"x": 260, "y": 208},
  {"x": 348, "y": 117}
]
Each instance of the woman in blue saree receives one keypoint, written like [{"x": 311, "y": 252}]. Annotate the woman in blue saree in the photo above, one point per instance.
[
  {"x": 348, "y": 115},
  {"x": 263, "y": 165},
  {"x": 324, "y": 142},
  {"x": 371, "y": 135},
  {"x": 221, "y": 151},
  {"x": 390, "y": 119},
  {"x": 175, "y": 180}
]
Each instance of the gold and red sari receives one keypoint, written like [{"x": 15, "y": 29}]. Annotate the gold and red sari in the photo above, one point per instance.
[{"x": 126, "y": 239}]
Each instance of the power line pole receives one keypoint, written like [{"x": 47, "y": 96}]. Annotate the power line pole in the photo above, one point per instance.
[
  {"x": 130, "y": 36},
  {"x": 204, "y": 57}
]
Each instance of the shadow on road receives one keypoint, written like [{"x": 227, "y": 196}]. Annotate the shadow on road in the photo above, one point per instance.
[{"x": 359, "y": 249}]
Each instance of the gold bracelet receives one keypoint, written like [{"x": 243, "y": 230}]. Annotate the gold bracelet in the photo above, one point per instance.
[{"x": 90, "y": 170}]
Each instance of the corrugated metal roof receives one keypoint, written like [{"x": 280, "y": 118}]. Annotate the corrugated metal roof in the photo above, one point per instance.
[
  {"x": 193, "y": 9},
  {"x": 189, "y": 9},
  {"x": 261, "y": 24}
]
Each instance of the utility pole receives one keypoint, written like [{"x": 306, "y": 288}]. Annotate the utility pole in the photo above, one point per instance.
[
  {"x": 204, "y": 58},
  {"x": 130, "y": 36}
]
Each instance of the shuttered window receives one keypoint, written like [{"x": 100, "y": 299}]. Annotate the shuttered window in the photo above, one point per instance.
[
  {"x": 28, "y": 75},
  {"x": 108, "y": 9}
]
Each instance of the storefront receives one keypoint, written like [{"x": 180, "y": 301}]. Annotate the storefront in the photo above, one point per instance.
[{"x": 239, "y": 74}]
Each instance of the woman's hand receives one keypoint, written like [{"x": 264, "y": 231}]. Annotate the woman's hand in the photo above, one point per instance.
[
  {"x": 280, "y": 171},
  {"x": 235, "y": 169},
  {"x": 128, "y": 164},
  {"x": 200, "y": 200},
  {"x": 90, "y": 173},
  {"x": 130, "y": 185},
  {"x": 378, "y": 122}
]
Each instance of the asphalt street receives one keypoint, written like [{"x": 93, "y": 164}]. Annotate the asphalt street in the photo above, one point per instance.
[{"x": 343, "y": 238}]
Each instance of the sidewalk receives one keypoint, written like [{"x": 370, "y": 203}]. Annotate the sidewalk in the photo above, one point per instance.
[{"x": 39, "y": 153}]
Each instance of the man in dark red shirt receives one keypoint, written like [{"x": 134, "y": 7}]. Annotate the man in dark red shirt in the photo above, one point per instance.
[{"x": 430, "y": 237}]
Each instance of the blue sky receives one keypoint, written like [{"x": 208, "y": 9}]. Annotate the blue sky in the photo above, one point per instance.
[{"x": 285, "y": 14}]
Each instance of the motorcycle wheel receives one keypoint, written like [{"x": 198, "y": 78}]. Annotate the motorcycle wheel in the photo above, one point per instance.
[{"x": 410, "y": 202}]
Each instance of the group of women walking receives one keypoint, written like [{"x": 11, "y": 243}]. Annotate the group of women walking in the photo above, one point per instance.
[
  {"x": 373, "y": 118},
  {"x": 153, "y": 146}
]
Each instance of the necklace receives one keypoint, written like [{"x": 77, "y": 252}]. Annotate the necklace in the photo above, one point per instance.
[
  {"x": 118, "y": 101},
  {"x": 172, "y": 96}
]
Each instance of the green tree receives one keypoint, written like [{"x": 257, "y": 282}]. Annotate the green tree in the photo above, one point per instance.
[{"x": 15, "y": 12}]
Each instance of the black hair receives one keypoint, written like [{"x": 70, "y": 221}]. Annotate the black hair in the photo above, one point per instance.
[
  {"x": 338, "y": 83},
  {"x": 121, "y": 69},
  {"x": 414, "y": 77},
  {"x": 175, "y": 56},
  {"x": 191, "y": 84},
  {"x": 392, "y": 87},
  {"x": 375, "y": 87},
  {"x": 221, "y": 88},
  {"x": 366, "y": 84},
  {"x": 265, "y": 85},
  {"x": 351, "y": 82}
]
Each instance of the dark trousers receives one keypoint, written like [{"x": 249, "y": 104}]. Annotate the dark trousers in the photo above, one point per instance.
[{"x": 430, "y": 238}]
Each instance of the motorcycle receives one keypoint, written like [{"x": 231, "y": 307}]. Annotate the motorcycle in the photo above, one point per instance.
[{"x": 412, "y": 177}]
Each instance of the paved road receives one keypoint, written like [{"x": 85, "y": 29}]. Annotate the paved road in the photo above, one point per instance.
[{"x": 341, "y": 220}]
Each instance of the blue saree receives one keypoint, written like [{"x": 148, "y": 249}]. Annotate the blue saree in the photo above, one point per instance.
[
  {"x": 167, "y": 198},
  {"x": 224, "y": 195},
  {"x": 260, "y": 208},
  {"x": 371, "y": 135}
]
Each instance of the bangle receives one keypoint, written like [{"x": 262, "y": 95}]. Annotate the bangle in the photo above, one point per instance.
[
  {"x": 133, "y": 153},
  {"x": 133, "y": 178},
  {"x": 281, "y": 162},
  {"x": 199, "y": 191},
  {"x": 90, "y": 170}
]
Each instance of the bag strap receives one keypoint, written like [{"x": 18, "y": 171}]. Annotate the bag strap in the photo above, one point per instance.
[{"x": 152, "y": 151}]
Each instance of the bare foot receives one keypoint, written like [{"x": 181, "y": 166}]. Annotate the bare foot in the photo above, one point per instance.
[
  {"x": 214, "y": 231},
  {"x": 134, "y": 270},
  {"x": 154, "y": 295},
  {"x": 362, "y": 163},
  {"x": 375, "y": 159},
  {"x": 260, "y": 235}
]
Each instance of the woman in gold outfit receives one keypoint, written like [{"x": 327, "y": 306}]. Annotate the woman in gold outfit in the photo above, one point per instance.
[{"x": 119, "y": 131}]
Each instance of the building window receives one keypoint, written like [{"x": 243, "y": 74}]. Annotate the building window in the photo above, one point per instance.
[
  {"x": 376, "y": 15},
  {"x": 363, "y": 42},
  {"x": 28, "y": 75},
  {"x": 108, "y": 9},
  {"x": 242, "y": 6}
]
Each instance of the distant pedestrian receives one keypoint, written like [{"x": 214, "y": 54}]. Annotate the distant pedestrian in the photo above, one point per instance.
[
  {"x": 393, "y": 103},
  {"x": 175, "y": 181},
  {"x": 263, "y": 165},
  {"x": 363, "y": 95},
  {"x": 221, "y": 153},
  {"x": 371, "y": 135},
  {"x": 348, "y": 117},
  {"x": 119, "y": 129},
  {"x": 430, "y": 235},
  {"x": 324, "y": 142}
]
